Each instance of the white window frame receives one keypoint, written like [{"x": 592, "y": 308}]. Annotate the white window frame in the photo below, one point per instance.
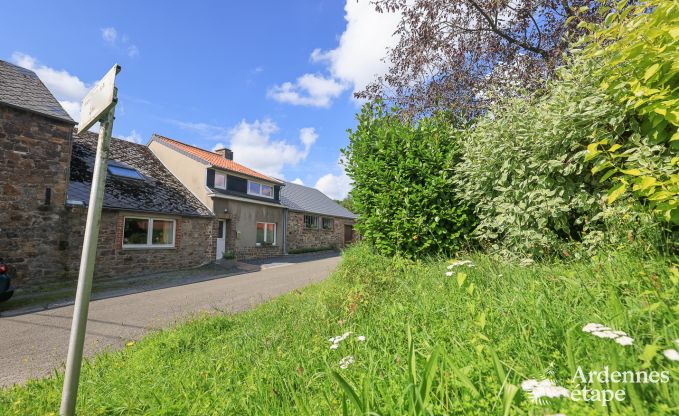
[
  {"x": 318, "y": 222},
  {"x": 275, "y": 228},
  {"x": 149, "y": 234},
  {"x": 225, "y": 179},
  {"x": 260, "y": 190},
  {"x": 332, "y": 223}
]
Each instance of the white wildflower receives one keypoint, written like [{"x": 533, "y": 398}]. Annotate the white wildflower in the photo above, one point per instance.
[
  {"x": 603, "y": 331},
  {"x": 458, "y": 263},
  {"x": 625, "y": 340},
  {"x": 526, "y": 262},
  {"x": 605, "y": 334},
  {"x": 336, "y": 340},
  {"x": 595, "y": 327},
  {"x": 449, "y": 274},
  {"x": 529, "y": 384},
  {"x": 545, "y": 388},
  {"x": 671, "y": 354},
  {"x": 360, "y": 338},
  {"x": 346, "y": 361}
]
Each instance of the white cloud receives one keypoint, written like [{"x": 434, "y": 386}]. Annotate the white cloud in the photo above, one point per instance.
[
  {"x": 362, "y": 49},
  {"x": 68, "y": 89},
  {"x": 110, "y": 34},
  {"x": 298, "y": 181},
  {"x": 309, "y": 89},
  {"x": 218, "y": 146},
  {"x": 336, "y": 186},
  {"x": 354, "y": 63},
  {"x": 254, "y": 146},
  {"x": 132, "y": 51},
  {"x": 133, "y": 137}
]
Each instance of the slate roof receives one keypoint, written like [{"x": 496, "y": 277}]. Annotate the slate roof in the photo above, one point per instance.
[
  {"x": 213, "y": 159},
  {"x": 21, "y": 88},
  {"x": 305, "y": 199},
  {"x": 158, "y": 192}
]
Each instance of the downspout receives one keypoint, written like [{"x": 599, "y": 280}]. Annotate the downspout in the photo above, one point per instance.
[{"x": 285, "y": 232}]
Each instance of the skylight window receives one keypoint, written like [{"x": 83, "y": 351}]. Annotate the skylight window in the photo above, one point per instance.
[{"x": 124, "y": 172}]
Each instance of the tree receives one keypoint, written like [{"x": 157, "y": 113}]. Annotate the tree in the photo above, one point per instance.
[
  {"x": 457, "y": 55},
  {"x": 402, "y": 174},
  {"x": 347, "y": 203}
]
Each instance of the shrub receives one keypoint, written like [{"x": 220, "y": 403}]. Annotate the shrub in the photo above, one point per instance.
[
  {"x": 637, "y": 47},
  {"x": 523, "y": 166},
  {"x": 403, "y": 183}
]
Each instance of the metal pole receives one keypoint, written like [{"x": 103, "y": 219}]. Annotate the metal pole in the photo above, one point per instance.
[{"x": 82, "y": 297}]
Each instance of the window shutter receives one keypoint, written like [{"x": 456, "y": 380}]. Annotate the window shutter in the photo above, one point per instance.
[{"x": 211, "y": 178}]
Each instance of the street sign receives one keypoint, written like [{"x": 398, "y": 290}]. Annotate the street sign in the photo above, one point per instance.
[
  {"x": 99, "y": 100},
  {"x": 99, "y": 105}
]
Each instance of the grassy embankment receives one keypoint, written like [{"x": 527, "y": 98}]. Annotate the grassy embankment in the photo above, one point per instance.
[{"x": 433, "y": 344}]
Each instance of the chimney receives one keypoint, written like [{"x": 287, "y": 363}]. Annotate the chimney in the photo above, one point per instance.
[{"x": 225, "y": 153}]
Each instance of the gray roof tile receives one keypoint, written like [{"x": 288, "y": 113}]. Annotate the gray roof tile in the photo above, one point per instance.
[
  {"x": 302, "y": 198},
  {"x": 158, "y": 192},
  {"x": 20, "y": 87}
]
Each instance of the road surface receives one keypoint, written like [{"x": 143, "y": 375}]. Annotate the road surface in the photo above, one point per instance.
[{"x": 35, "y": 344}]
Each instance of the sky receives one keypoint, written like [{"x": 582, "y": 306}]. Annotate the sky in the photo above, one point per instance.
[{"x": 272, "y": 80}]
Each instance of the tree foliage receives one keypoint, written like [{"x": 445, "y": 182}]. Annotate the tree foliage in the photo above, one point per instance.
[
  {"x": 453, "y": 55},
  {"x": 637, "y": 50},
  {"x": 523, "y": 167},
  {"x": 403, "y": 183}
]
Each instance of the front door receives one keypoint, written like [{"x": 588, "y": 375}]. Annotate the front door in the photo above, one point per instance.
[
  {"x": 221, "y": 238},
  {"x": 348, "y": 234}
]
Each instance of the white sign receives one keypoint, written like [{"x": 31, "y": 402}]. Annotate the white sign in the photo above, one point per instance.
[{"x": 99, "y": 100}]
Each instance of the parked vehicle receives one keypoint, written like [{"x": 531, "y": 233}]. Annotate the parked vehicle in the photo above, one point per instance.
[{"x": 6, "y": 289}]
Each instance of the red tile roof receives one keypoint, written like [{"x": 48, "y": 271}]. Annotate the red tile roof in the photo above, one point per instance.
[{"x": 214, "y": 159}]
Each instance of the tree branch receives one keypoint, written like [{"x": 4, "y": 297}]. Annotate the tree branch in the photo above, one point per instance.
[{"x": 504, "y": 35}]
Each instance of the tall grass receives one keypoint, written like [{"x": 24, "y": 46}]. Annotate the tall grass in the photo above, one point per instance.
[{"x": 434, "y": 344}]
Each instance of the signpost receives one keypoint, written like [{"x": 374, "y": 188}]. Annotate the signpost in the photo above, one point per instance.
[{"x": 98, "y": 105}]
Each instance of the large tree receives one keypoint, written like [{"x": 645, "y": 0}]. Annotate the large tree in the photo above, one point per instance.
[{"x": 459, "y": 54}]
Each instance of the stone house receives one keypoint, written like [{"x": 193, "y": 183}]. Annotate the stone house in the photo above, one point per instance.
[
  {"x": 250, "y": 216},
  {"x": 150, "y": 222},
  {"x": 315, "y": 221},
  {"x": 35, "y": 155}
]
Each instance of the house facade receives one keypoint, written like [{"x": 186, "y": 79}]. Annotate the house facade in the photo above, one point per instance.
[
  {"x": 167, "y": 205},
  {"x": 251, "y": 220},
  {"x": 314, "y": 221},
  {"x": 35, "y": 147},
  {"x": 149, "y": 222}
]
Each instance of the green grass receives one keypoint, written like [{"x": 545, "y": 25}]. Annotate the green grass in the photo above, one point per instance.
[{"x": 434, "y": 345}]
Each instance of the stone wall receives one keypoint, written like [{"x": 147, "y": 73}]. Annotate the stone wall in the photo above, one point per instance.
[
  {"x": 194, "y": 246},
  {"x": 262, "y": 252},
  {"x": 34, "y": 165},
  {"x": 300, "y": 237}
]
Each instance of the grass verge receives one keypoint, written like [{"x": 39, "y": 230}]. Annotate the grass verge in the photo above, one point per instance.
[{"x": 434, "y": 344}]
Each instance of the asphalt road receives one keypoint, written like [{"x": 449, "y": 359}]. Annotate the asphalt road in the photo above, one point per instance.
[{"x": 35, "y": 344}]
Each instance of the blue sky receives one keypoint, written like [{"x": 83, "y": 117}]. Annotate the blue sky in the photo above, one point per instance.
[{"x": 273, "y": 80}]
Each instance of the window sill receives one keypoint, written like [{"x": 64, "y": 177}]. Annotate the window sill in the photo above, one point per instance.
[{"x": 149, "y": 248}]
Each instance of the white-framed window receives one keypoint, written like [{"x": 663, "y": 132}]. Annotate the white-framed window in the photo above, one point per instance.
[
  {"x": 139, "y": 232},
  {"x": 311, "y": 221},
  {"x": 327, "y": 223},
  {"x": 220, "y": 180},
  {"x": 260, "y": 189},
  {"x": 266, "y": 233}
]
